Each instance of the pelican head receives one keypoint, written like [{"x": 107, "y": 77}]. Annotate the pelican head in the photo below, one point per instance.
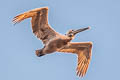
[{"x": 72, "y": 33}]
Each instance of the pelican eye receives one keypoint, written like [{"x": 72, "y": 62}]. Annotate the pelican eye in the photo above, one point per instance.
[{"x": 70, "y": 35}]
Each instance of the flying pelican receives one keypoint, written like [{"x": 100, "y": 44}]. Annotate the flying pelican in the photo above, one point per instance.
[{"x": 53, "y": 41}]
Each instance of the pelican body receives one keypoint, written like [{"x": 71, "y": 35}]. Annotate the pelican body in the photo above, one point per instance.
[{"x": 53, "y": 41}]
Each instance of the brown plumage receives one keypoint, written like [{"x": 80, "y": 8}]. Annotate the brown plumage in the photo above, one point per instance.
[
  {"x": 54, "y": 41},
  {"x": 39, "y": 21},
  {"x": 83, "y": 50}
]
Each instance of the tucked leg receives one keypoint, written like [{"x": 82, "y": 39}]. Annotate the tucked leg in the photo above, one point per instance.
[{"x": 39, "y": 53}]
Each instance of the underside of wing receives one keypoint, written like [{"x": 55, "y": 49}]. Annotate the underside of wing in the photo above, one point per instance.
[
  {"x": 83, "y": 50},
  {"x": 39, "y": 21}
]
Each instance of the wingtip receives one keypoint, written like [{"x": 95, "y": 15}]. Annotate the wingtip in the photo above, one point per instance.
[{"x": 14, "y": 21}]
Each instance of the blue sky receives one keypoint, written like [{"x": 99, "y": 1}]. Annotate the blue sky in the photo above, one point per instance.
[{"x": 18, "y": 44}]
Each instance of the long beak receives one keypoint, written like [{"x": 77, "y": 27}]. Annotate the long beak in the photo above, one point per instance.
[{"x": 80, "y": 30}]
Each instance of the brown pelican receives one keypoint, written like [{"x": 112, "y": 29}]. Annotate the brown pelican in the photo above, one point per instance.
[{"x": 54, "y": 41}]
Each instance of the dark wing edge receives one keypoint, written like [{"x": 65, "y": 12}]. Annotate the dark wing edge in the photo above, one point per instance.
[
  {"x": 39, "y": 21},
  {"x": 84, "y": 52}
]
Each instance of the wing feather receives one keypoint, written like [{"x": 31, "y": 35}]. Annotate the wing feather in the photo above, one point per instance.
[
  {"x": 39, "y": 21},
  {"x": 83, "y": 50}
]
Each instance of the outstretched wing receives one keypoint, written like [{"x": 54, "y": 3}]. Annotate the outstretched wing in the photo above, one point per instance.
[
  {"x": 39, "y": 21},
  {"x": 83, "y": 50}
]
